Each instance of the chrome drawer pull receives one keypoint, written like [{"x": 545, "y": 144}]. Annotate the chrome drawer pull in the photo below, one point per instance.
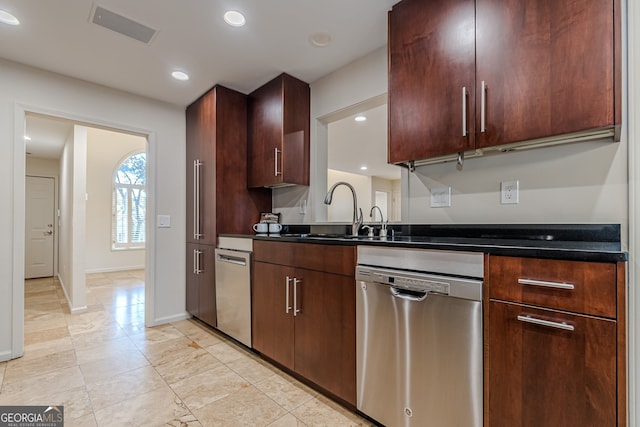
[
  {"x": 544, "y": 284},
  {"x": 557, "y": 325}
]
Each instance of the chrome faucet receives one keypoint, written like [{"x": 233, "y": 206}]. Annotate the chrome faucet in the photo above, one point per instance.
[
  {"x": 383, "y": 224},
  {"x": 357, "y": 219}
]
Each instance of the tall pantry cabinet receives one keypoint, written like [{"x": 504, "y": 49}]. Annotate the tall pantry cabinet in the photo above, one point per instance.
[{"x": 218, "y": 200}]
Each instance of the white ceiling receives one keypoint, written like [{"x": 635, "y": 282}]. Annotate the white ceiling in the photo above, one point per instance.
[
  {"x": 58, "y": 36},
  {"x": 192, "y": 37}
]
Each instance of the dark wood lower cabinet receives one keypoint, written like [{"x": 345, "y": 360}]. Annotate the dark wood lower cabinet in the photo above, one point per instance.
[
  {"x": 308, "y": 325},
  {"x": 272, "y": 326},
  {"x": 325, "y": 332},
  {"x": 548, "y": 376},
  {"x": 201, "y": 290}
]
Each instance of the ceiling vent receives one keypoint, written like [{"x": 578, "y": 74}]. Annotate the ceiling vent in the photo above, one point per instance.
[{"x": 123, "y": 25}]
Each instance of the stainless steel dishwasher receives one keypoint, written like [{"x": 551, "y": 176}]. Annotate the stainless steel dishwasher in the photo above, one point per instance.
[
  {"x": 419, "y": 337},
  {"x": 233, "y": 293}
]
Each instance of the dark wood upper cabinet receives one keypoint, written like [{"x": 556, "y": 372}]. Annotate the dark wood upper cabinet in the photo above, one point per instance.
[
  {"x": 473, "y": 74},
  {"x": 548, "y": 68},
  {"x": 431, "y": 62},
  {"x": 279, "y": 125}
]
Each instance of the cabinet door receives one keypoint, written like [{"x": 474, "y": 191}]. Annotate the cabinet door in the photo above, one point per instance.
[
  {"x": 207, "y": 285},
  {"x": 279, "y": 114},
  {"x": 272, "y": 325},
  {"x": 200, "y": 168},
  {"x": 265, "y": 135},
  {"x": 548, "y": 67},
  {"x": 546, "y": 376},
  {"x": 431, "y": 61},
  {"x": 325, "y": 339},
  {"x": 193, "y": 288}
]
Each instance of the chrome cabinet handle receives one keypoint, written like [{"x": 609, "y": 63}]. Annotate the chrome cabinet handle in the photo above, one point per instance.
[
  {"x": 296, "y": 310},
  {"x": 196, "y": 200},
  {"x": 543, "y": 284},
  {"x": 287, "y": 307},
  {"x": 276, "y": 171},
  {"x": 483, "y": 106},
  {"x": 548, "y": 323},
  {"x": 464, "y": 111},
  {"x": 196, "y": 261}
]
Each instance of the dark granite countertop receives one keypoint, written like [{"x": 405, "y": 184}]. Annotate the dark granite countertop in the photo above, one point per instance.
[{"x": 583, "y": 242}]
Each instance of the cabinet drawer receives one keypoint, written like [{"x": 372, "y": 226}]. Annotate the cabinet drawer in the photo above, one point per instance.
[
  {"x": 550, "y": 369},
  {"x": 576, "y": 286},
  {"x": 327, "y": 258}
]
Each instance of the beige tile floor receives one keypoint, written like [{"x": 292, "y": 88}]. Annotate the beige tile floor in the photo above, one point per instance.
[{"x": 107, "y": 369}]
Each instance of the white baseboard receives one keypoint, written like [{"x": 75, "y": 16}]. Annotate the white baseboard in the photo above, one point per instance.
[
  {"x": 169, "y": 319},
  {"x": 8, "y": 355},
  {"x": 114, "y": 269}
]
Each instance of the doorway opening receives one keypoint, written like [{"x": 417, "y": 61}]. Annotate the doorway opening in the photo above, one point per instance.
[{"x": 82, "y": 239}]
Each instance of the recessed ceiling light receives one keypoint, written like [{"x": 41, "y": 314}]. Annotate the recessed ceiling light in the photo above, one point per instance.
[
  {"x": 321, "y": 39},
  {"x": 179, "y": 75},
  {"x": 360, "y": 118},
  {"x": 27, "y": 138},
  {"x": 234, "y": 18},
  {"x": 7, "y": 18},
  {"x": 363, "y": 168}
]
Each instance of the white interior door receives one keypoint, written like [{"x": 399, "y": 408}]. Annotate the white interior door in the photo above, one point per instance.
[{"x": 39, "y": 221}]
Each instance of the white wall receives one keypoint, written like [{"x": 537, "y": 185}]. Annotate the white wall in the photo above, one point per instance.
[
  {"x": 39, "y": 166},
  {"x": 27, "y": 89},
  {"x": 581, "y": 183},
  {"x": 105, "y": 150}
]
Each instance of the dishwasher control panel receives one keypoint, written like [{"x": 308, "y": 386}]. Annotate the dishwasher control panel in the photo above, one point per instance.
[{"x": 421, "y": 282}]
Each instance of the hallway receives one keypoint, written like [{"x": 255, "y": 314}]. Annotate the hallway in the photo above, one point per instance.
[{"x": 106, "y": 368}]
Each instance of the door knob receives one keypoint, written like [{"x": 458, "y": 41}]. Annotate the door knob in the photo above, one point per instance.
[{"x": 48, "y": 233}]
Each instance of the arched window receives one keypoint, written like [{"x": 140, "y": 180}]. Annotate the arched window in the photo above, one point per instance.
[{"x": 129, "y": 203}]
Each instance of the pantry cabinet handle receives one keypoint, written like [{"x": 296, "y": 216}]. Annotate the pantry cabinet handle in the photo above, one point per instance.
[
  {"x": 196, "y": 262},
  {"x": 543, "y": 284},
  {"x": 196, "y": 199},
  {"x": 483, "y": 107},
  {"x": 276, "y": 171},
  {"x": 464, "y": 111},
  {"x": 557, "y": 325},
  {"x": 287, "y": 307},
  {"x": 296, "y": 310}
]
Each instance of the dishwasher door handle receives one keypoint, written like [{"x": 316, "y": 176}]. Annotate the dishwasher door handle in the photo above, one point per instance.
[
  {"x": 232, "y": 260},
  {"x": 413, "y": 296}
]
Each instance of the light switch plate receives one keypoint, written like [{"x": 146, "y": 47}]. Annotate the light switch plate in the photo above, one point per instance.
[
  {"x": 509, "y": 192},
  {"x": 441, "y": 197},
  {"x": 164, "y": 221}
]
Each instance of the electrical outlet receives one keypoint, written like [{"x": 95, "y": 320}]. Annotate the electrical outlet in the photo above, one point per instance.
[
  {"x": 441, "y": 197},
  {"x": 509, "y": 192}
]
